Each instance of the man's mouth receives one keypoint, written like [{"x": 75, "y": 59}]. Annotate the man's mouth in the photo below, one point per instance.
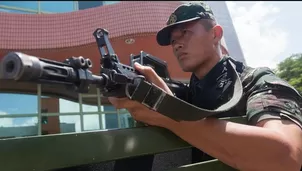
[{"x": 181, "y": 56}]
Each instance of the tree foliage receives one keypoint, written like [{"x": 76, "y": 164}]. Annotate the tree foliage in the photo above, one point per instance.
[{"x": 291, "y": 70}]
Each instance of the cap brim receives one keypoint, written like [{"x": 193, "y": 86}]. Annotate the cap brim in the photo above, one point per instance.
[{"x": 163, "y": 35}]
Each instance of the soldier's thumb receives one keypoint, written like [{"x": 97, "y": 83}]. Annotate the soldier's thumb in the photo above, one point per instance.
[
  {"x": 152, "y": 76},
  {"x": 147, "y": 71}
]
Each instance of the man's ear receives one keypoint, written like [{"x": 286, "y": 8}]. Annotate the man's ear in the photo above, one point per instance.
[{"x": 217, "y": 33}]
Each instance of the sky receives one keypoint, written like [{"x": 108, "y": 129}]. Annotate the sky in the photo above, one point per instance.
[{"x": 268, "y": 33}]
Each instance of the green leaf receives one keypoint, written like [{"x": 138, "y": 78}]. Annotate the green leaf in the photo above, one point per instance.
[{"x": 290, "y": 70}]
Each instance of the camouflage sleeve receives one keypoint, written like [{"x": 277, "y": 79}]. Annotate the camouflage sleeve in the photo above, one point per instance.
[{"x": 274, "y": 98}]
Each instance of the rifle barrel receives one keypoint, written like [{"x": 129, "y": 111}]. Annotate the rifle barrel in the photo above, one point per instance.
[{"x": 22, "y": 67}]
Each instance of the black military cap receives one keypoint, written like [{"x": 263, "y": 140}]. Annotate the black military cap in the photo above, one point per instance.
[{"x": 182, "y": 14}]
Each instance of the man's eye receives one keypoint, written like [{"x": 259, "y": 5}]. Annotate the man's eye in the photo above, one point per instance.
[
  {"x": 184, "y": 31},
  {"x": 172, "y": 41}
]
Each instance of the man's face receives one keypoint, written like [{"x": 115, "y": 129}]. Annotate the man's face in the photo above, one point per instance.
[{"x": 192, "y": 44}]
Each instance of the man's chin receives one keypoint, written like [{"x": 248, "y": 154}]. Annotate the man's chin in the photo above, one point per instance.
[
  {"x": 187, "y": 69},
  {"x": 187, "y": 66}
]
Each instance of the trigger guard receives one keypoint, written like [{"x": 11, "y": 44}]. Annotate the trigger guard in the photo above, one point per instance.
[{"x": 140, "y": 78}]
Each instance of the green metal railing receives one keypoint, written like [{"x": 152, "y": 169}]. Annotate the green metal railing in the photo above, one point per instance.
[
  {"x": 65, "y": 150},
  {"x": 49, "y": 152}
]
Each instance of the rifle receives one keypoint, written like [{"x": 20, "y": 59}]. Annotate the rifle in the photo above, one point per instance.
[
  {"x": 115, "y": 79},
  {"x": 74, "y": 72}
]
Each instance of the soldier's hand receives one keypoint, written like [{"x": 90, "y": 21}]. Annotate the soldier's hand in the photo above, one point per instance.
[
  {"x": 138, "y": 111},
  {"x": 152, "y": 77}
]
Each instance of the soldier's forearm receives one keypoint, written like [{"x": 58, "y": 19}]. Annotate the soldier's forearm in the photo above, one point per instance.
[{"x": 240, "y": 146}]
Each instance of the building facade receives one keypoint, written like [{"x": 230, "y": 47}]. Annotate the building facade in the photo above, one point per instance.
[{"x": 59, "y": 29}]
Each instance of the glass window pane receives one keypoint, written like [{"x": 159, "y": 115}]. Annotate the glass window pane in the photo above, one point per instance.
[
  {"x": 89, "y": 108},
  {"x": 111, "y": 119},
  {"x": 18, "y": 103},
  {"x": 70, "y": 123},
  {"x": 12, "y": 104},
  {"x": 16, "y": 11},
  {"x": 126, "y": 119},
  {"x": 57, "y": 6},
  {"x": 89, "y": 4},
  {"x": 67, "y": 106},
  {"x": 19, "y": 127},
  {"x": 91, "y": 122},
  {"x": 21, "y": 4},
  {"x": 110, "y": 2}
]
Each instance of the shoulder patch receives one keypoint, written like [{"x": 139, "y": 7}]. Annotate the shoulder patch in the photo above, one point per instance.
[{"x": 276, "y": 82}]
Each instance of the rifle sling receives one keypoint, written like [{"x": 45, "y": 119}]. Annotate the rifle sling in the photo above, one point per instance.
[{"x": 158, "y": 100}]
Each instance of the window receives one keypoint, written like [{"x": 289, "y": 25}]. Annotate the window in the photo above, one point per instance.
[
  {"x": 91, "y": 122},
  {"x": 18, "y": 103},
  {"x": 89, "y": 4},
  {"x": 131, "y": 122},
  {"x": 126, "y": 119},
  {"x": 57, "y": 6},
  {"x": 44, "y": 119},
  {"x": 33, "y": 5},
  {"x": 11, "y": 104},
  {"x": 16, "y": 11},
  {"x": 110, "y": 2},
  {"x": 111, "y": 119},
  {"x": 69, "y": 123}
]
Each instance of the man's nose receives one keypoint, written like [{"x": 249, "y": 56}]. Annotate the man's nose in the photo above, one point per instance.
[{"x": 178, "y": 46}]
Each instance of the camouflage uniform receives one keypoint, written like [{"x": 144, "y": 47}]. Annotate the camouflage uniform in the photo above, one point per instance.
[
  {"x": 272, "y": 97},
  {"x": 265, "y": 95}
]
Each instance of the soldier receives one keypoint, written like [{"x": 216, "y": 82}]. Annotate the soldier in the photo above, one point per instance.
[{"x": 272, "y": 140}]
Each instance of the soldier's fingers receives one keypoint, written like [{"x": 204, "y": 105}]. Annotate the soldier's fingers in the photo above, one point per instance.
[
  {"x": 147, "y": 71},
  {"x": 150, "y": 74}
]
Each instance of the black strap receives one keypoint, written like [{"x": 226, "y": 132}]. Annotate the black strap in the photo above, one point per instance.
[{"x": 158, "y": 100}]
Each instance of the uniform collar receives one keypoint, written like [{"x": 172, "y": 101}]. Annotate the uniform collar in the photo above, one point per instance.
[{"x": 214, "y": 74}]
